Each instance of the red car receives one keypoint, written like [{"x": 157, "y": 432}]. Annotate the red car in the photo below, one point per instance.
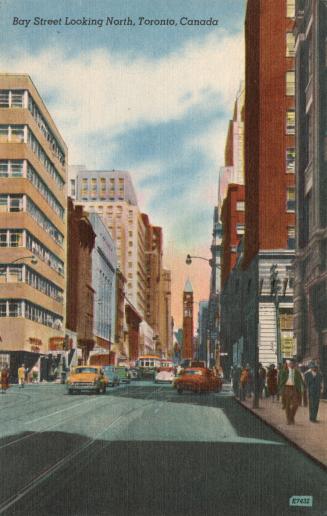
[{"x": 198, "y": 379}]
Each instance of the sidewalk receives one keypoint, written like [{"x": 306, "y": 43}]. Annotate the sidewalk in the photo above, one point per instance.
[{"x": 310, "y": 437}]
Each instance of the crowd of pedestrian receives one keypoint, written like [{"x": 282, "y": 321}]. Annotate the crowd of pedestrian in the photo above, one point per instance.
[{"x": 291, "y": 384}]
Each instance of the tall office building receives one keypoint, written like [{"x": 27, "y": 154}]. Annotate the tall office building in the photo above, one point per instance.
[
  {"x": 33, "y": 160},
  {"x": 111, "y": 195},
  {"x": 310, "y": 303},
  {"x": 269, "y": 143}
]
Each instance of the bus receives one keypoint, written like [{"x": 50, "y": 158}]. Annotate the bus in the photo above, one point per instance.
[{"x": 148, "y": 365}]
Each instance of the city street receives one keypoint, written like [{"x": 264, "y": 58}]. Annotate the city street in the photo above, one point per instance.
[{"x": 143, "y": 449}]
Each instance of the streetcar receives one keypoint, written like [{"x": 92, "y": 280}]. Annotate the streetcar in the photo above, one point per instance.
[{"x": 148, "y": 366}]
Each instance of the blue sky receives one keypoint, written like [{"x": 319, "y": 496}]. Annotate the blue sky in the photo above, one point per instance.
[{"x": 152, "y": 100}]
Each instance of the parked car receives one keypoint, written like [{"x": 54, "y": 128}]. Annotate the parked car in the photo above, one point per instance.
[
  {"x": 165, "y": 375},
  {"x": 123, "y": 374},
  {"x": 110, "y": 373},
  {"x": 87, "y": 378},
  {"x": 197, "y": 379}
]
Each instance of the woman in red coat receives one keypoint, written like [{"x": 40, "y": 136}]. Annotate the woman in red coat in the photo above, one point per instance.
[
  {"x": 272, "y": 383},
  {"x": 4, "y": 379}
]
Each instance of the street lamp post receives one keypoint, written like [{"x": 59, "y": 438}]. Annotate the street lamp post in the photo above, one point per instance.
[{"x": 31, "y": 257}]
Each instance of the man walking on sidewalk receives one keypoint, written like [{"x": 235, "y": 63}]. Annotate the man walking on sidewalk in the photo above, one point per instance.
[
  {"x": 291, "y": 386},
  {"x": 313, "y": 381},
  {"x": 21, "y": 375}
]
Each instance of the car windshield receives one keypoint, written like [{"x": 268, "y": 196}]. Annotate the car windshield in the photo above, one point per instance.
[
  {"x": 190, "y": 372},
  {"x": 86, "y": 370}
]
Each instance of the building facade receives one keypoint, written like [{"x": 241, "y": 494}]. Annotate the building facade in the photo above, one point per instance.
[
  {"x": 111, "y": 195},
  {"x": 310, "y": 305},
  {"x": 232, "y": 217},
  {"x": 80, "y": 292},
  {"x": 187, "y": 348},
  {"x": 202, "y": 348},
  {"x": 104, "y": 264},
  {"x": 33, "y": 163},
  {"x": 269, "y": 143}
]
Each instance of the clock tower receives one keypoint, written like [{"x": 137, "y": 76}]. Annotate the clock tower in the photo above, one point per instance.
[{"x": 187, "y": 350}]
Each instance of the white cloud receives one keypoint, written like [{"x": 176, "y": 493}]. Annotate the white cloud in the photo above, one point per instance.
[{"x": 98, "y": 92}]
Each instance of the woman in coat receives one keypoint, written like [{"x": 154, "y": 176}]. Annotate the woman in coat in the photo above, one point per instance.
[
  {"x": 4, "y": 379},
  {"x": 272, "y": 383}
]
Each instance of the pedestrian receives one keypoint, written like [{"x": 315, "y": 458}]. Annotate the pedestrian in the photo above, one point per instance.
[
  {"x": 261, "y": 379},
  {"x": 4, "y": 379},
  {"x": 236, "y": 380},
  {"x": 35, "y": 374},
  {"x": 304, "y": 400},
  {"x": 313, "y": 381},
  {"x": 21, "y": 376},
  {"x": 291, "y": 387},
  {"x": 244, "y": 380},
  {"x": 272, "y": 384}
]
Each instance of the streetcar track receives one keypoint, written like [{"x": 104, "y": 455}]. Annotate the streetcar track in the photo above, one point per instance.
[
  {"x": 51, "y": 426},
  {"x": 61, "y": 463}
]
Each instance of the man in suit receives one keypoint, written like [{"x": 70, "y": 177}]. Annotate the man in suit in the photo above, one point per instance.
[
  {"x": 313, "y": 382},
  {"x": 291, "y": 387}
]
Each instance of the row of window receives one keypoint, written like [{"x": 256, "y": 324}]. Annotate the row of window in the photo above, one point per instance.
[
  {"x": 22, "y": 134},
  {"x": 21, "y": 168},
  {"x": 22, "y": 238},
  {"x": 18, "y": 99},
  {"x": 12, "y": 98},
  {"x": 49, "y": 166},
  {"x": 34, "y": 177},
  {"x": 43, "y": 253},
  {"x": 22, "y": 308},
  {"x": 24, "y": 274},
  {"x": 44, "y": 222},
  {"x": 56, "y": 148},
  {"x": 14, "y": 203}
]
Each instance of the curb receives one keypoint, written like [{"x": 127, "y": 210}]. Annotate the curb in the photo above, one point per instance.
[{"x": 280, "y": 433}]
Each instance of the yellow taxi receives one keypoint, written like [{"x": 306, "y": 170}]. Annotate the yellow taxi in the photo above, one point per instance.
[{"x": 88, "y": 379}]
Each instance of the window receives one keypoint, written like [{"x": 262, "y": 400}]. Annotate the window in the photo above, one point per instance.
[
  {"x": 16, "y": 203},
  {"x": 17, "y": 99},
  {"x": 290, "y": 83},
  {"x": 16, "y": 239},
  {"x": 14, "y": 274},
  {"x": 240, "y": 229},
  {"x": 290, "y": 160},
  {"x": 4, "y": 98},
  {"x": 290, "y": 43},
  {"x": 3, "y": 238},
  {"x": 290, "y": 8},
  {"x": 14, "y": 308},
  {"x": 3, "y": 203},
  {"x": 17, "y": 133},
  {"x": 290, "y": 199},
  {"x": 240, "y": 206},
  {"x": 290, "y": 121},
  {"x": 3, "y": 274},
  {"x": 291, "y": 237},
  {"x": 4, "y": 133},
  {"x": 3, "y": 309}
]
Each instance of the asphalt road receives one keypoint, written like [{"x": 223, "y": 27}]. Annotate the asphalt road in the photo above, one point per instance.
[{"x": 144, "y": 450}]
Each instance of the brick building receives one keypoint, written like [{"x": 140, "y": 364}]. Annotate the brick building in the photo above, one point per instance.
[
  {"x": 80, "y": 294},
  {"x": 232, "y": 217},
  {"x": 269, "y": 146}
]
